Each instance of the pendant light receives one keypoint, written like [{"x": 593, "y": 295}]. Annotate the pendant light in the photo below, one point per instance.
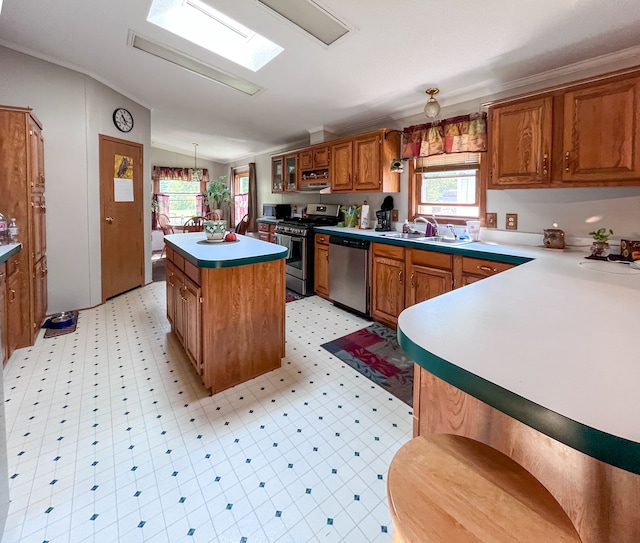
[
  {"x": 432, "y": 107},
  {"x": 195, "y": 173}
]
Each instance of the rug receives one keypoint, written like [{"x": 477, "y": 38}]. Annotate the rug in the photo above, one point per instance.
[
  {"x": 375, "y": 353},
  {"x": 293, "y": 296},
  {"x": 158, "y": 267},
  {"x": 55, "y": 332}
]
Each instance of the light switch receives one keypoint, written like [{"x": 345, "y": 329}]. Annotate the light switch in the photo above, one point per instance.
[{"x": 512, "y": 221}]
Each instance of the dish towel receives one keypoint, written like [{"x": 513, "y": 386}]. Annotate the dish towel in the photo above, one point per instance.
[{"x": 285, "y": 241}]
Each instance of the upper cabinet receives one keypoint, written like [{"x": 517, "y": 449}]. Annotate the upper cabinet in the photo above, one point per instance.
[
  {"x": 601, "y": 138},
  {"x": 586, "y": 134},
  {"x": 359, "y": 163},
  {"x": 363, "y": 162},
  {"x": 521, "y": 143}
]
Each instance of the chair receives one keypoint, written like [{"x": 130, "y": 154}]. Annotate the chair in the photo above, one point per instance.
[
  {"x": 194, "y": 224},
  {"x": 243, "y": 225},
  {"x": 213, "y": 216},
  {"x": 165, "y": 226}
]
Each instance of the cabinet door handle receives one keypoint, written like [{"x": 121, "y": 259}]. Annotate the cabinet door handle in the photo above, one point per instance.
[
  {"x": 487, "y": 269},
  {"x": 109, "y": 220},
  {"x": 545, "y": 165},
  {"x": 566, "y": 161},
  {"x": 2, "y": 274},
  {"x": 412, "y": 283},
  {"x": 400, "y": 274},
  {"x": 13, "y": 294}
]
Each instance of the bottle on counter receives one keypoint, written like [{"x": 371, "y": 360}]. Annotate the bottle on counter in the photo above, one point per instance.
[
  {"x": 4, "y": 230},
  {"x": 13, "y": 231}
]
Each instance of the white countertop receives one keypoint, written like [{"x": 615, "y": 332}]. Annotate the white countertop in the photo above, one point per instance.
[
  {"x": 7, "y": 251},
  {"x": 553, "y": 331}
]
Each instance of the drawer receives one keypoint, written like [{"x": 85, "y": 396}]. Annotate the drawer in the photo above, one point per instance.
[
  {"x": 322, "y": 239},
  {"x": 13, "y": 265},
  {"x": 388, "y": 251},
  {"x": 3, "y": 275},
  {"x": 192, "y": 272},
  {"x": 263, "y": 236},
  {"x": 178, "y": 261},
  {"x": 169, "y": 252},
  {"x": 262, "y": 227},
  {"x": 479, "y": 266},
  {"x": 431, "y": 259}
]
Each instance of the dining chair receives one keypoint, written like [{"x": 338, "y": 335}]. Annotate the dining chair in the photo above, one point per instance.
[{"x": 194, "y": 224}]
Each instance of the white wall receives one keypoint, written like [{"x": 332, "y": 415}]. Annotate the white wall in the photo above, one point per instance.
[{"x": 74, "y": 109}]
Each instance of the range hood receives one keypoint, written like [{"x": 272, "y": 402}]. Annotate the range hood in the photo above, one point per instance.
[{"x": 313, "y": 186}]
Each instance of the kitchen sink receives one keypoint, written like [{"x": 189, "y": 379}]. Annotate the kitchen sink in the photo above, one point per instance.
[
  {"x": 402, "y": 235},
  {"x": 445, "y": 241}
]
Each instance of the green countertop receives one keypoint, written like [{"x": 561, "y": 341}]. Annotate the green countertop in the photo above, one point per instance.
[{"x": 246, "y": 250}]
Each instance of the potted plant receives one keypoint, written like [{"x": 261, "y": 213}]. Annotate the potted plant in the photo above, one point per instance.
[
  {"x": 600, "y": 245},
  {"x": 217, "y": 193}
]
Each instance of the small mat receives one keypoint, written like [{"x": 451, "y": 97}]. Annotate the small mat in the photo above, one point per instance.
[
  {"x": 55, "y": 332},
  {"x": 375, "y": 353},
  {"x": 293, "y": 296}
]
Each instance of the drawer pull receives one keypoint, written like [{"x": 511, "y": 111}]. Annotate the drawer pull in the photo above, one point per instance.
[{"x": 487, "y": 269}]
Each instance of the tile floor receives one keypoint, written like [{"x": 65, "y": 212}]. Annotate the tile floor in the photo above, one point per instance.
[{"x": 112, "y": 438}]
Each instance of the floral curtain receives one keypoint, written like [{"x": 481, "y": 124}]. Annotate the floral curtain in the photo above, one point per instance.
[
  {"x": 165, "y": 172},
  {"x": 467, "y": 133}
]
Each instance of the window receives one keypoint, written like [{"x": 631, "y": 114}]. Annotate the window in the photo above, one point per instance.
[
  {"x": 447, "y": 186},
  {"x": 240, "y": 194},
  {"x": 184, "y": 199}
]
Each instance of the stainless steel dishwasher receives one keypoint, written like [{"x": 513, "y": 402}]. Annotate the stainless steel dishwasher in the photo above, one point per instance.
[{"x": 349, "y": 273}]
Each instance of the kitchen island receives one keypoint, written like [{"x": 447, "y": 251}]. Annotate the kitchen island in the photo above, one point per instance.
[
  {"x": 541, "y": 363},
  {"x": 226, "y": 305}
]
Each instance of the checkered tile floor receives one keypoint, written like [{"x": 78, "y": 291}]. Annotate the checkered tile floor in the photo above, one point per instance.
[{"x": 112, "y": 438}]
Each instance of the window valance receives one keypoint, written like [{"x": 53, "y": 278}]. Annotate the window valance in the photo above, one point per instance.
[
  {"x": 165, "y": 172},
  {"x": 467, "y": 133}
]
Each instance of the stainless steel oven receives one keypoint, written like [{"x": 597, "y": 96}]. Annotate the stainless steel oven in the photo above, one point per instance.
[
  {"x": 296, "y": 234},
  {"x": 297, "y": 264}
]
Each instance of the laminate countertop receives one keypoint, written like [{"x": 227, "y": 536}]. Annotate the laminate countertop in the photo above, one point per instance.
[
  {"x": 552, "y": 343},
  {"x": 7, "y": 251},
  {"x": 246, "y": 250}
]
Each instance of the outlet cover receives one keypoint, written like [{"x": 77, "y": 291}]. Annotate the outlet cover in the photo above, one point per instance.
[
  {"x": 512, "y": 221},
  {"x": 394, "y": 215},
  {"x": 491, "y": 220}
]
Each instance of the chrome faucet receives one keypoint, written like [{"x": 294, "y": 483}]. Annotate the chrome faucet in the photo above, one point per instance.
[
  {"x": 452, "y": 229},
  {"x": 425, "y": 220}
]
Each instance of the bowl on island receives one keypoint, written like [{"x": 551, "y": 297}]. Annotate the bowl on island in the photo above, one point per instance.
[{"x": 215, "y": 229}]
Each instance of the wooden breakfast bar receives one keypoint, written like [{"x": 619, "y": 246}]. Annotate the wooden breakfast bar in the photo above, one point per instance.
[
  {"x": 541, "y": 363},
  {"x": 226, "y": 305}
]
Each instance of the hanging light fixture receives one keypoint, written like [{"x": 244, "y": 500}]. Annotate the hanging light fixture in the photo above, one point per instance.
[
  {"x": 195, "y": 173},
  {"x": 432, "y": 107}
]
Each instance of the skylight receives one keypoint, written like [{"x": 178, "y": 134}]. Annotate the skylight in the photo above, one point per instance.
[{"x": 201, "y": 24}]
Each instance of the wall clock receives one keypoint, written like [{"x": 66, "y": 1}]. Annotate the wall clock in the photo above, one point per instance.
[{"x": 123, "y": 120}]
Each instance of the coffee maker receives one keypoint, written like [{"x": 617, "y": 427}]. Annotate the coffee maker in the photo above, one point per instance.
[
  {"x": 384, "y": 220},
  {"x": 384, "y": 215}
]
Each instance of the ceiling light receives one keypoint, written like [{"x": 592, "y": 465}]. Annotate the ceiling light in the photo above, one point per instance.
[
  {"x": 195, "y": 173},
  {"x": 192, "y": 65},
  {"x": 199, "y": 23},
  {"x": 310, "y": 17},
  {"x": 432, "y": 107}
]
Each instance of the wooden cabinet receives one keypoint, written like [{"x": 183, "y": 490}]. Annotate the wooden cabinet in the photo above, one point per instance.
[
  {"x": 267, "y": 232},
  {"x": 277, "y": 178},
  {"x": 184, "y": 307},
  {"x": 22, "y": 184},
  {"x": 585, "y": 134},
  {"x": 404, "y": 277},
  {"x": 363, "y": 163},
  {"x": 429, "y": 275},
  {"x": 341, "y": 166},
  {"x": 321, "y": 265},
  {"x": 601, "y": 137},
  {"x": 284, "y": 173},
  {"x": 521, "y": 143},
  {"x": 387, "y": 292},
  {"x": 469, "y": 270},
  {"x": 4, "y": 347},
  {"x": 314, "y": 158}
]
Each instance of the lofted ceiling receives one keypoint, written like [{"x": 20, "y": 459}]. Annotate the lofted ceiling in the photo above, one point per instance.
[{"x": 379, "y": 71}]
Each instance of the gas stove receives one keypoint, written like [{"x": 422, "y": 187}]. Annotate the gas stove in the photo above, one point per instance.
[{"x": 317, "y": 215}]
